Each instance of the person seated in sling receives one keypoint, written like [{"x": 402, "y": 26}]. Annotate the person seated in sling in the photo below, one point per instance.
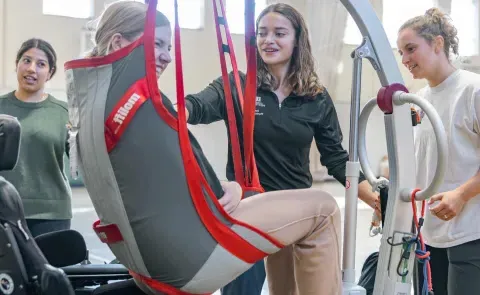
[{"x": 163, "y": 211}]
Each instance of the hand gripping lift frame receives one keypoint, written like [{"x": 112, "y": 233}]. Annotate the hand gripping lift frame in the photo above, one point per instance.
[{"x": 396, "y": 260}]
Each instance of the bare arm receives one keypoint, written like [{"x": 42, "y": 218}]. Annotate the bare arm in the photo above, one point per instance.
[{"x": 470, "y": 189}]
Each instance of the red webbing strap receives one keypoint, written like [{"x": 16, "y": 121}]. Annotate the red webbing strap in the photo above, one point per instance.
[
  {"x": 124, "y": 111},
  {"x": 225, "y": 237},
  {"x": 252, "y": 178},
  {"x": 230, "y": 48},
  {"x": 246, "y": 175},
  {"x": 107, "y": 233},
  {"x": 232, "y": 123},
  {"x": 150, "y": 66}
]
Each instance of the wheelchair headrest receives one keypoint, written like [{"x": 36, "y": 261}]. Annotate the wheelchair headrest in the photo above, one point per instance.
[
  {"x": 9, "y": 142},
  {"x": 63, "y": 247}
]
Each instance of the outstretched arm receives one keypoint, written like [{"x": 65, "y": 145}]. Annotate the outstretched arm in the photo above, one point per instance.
[
  {"x": 208, "y": 105},
  {"x": 328, "y": 138}
]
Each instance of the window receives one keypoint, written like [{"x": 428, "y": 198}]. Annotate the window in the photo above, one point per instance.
[
  {"x": 352, "y": 36},
  {"x": 465, "y": 19},
  {"x": 69, "y": 8},
  {"x": 395, "y": 13},
  {"x": 190, "y": 12},
  {"x": 236, "y": 16}
]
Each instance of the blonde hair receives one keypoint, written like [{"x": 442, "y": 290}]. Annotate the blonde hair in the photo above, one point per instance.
[
  {"x": 301, "y": 75},
  {"x": 435, "y": 23},
  {"x": 126, "y": 18}
]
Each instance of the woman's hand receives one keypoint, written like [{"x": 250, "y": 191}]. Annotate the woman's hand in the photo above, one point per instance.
[
  {"x": 451, "y": 204},
  {"x": 372, "y": 199},
  {"x": 231, "y": 197}
]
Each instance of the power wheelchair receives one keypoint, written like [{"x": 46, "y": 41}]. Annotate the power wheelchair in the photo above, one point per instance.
[{"x": 31, "y": 266}]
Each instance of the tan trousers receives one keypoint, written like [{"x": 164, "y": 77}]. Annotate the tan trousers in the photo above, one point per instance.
[{"x": 308, "y": 223}]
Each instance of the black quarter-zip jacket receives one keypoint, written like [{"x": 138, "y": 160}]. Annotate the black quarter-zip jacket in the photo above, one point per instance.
[{"x": 283, "y": 133}]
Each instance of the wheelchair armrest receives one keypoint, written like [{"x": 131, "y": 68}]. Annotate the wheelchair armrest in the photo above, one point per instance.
[{"x": 94, "y": 274}]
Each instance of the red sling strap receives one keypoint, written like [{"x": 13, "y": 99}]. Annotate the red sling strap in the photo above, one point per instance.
[
  {"x": 250, "y": 95},
  {"x": 245, "y": 172},
  {"x": 232, "y": 124}
]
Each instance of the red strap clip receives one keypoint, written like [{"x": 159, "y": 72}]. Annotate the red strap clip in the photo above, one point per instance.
[{"x": 108, "y": 233}]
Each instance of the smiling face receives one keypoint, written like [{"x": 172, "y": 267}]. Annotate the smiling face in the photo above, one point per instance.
[
  {"x": 163, "y": 45},
  {"x": 33, "y": 70},
  {"x": 420, "y": 56},
  {"x": 275, "y": 39}
]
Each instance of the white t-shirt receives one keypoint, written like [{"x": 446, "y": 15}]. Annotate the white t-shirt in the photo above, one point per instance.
[{"x": 457, "y": 101}]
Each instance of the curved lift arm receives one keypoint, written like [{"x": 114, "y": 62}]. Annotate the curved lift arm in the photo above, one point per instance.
[{"x": 400, "y": 146}]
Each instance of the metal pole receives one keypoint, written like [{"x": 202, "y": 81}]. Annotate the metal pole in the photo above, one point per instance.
[{"x": 352, "y": 175}]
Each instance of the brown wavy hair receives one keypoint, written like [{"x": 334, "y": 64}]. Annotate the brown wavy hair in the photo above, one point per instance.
[{"x": 301, "y": 75}]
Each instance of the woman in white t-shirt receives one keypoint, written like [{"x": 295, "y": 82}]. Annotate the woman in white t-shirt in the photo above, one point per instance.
[{"x": 452, "y": 224}]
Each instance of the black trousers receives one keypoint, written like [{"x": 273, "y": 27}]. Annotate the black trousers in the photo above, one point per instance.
[
  {"x": 43, "y": 226},
  {"x": 455, "y": 270}
]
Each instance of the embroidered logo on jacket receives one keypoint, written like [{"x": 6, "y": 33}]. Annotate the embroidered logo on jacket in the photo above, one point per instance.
[{"x": 258, "y": 104}]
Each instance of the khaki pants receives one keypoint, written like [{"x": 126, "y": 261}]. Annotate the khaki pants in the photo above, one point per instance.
[{"x": 308, "y": 223}]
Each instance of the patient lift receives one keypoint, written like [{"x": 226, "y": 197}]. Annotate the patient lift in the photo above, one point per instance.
[{"x": 399, "y": 242}]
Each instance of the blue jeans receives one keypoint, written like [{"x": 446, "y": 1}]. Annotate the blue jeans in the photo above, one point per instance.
[
  {"x": 249, "y": 283},
  {"x": 43, "y": 226}
]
